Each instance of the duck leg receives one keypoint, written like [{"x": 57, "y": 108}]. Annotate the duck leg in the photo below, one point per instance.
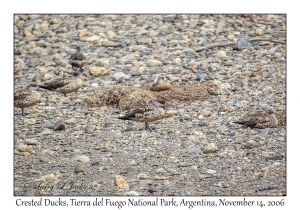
[
  {"x": 147, "y": 127},
  {"x": 23, "y": 111}
]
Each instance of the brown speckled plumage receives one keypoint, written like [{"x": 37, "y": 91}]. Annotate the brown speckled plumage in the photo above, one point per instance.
[
  {"x": 26, "y": 98},
  {"x": 18, "y": 65},
  {"x": 259, "y": 120},
  {"x": 161, "y": 85},
  {"x": 77, "y": 60},
  {"x": 147, "y": 113},
  {"x": 64, "y": 85}
]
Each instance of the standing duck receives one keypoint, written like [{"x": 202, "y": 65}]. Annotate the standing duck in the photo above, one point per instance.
[
  {"x": 27, "y": 98},
  {"x": 77, "y": 60}
]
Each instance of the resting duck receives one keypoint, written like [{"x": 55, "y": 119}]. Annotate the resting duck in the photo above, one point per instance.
[
  {"x": 259, "y": 120},
  {"x": 161, "y": 85},
  {"x": 64, "y": 85},
  {"x": 150, "y": 112}
]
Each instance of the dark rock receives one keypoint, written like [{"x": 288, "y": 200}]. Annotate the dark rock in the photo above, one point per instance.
[{"x": 59, "y": 125}]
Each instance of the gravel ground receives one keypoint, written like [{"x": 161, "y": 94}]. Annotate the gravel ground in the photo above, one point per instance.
[{"x": 198, "y": 151}]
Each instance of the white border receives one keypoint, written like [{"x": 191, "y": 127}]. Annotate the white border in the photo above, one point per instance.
[{"x": 138, "y": 7}]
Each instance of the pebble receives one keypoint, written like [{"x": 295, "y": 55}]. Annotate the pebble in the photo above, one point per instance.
[
  {"x": 242, "y": 43},
  {"x": 210, "y": 171},
  {"x": 251, "y": 144},
  {"x": 48, "y": 125},
  {"x": 48, "y": 177},
  {"x": 265, "y": 154},
  {"x": 46, "y": 132},
  {"x": 59, "y": 125},
  {"x": 145, "y": 182},
  {"x": 28, "y": 34},
  {"x": 31, "y": 121},
  {"x": 265, "y": 131},
  {"x": 230, "y": 36},
  {"x": 70, "y": 121},
  {"x": 141, "y": 176},
  {"x": 221, "y": 54},
  {"x": 254, "y": 18},
  {"x": 201, "y": 77},
  {"x": 44, "y": 159},
  {"x": 54, "y": 21},
  {"x": 93, "y": 39},
  {"x": 277, "y": 55},
  {"x": 239, "y": 154},
  {"x": 154, "y": 62},
  {"x": 256, "y": 74},
  {"x": 111, "y": 34},
  {"x": 31, "y": 142},
  {"x": 176, "y": 61},
  {"x": 103, "y": 63},
  {"x": 121, "y": 183},
  {"x": 144, "y": 40},
  {"x": 194, "y": 151},
  {"x": 24, "y": 148},
  {"x": 222, "y": 128},
  {"x": 259, "y": 32},
  {"x": 119, "y": 75},
  {"x": 210, "y": 148},
  {"x": 98, "y": 70},
  {"x": 132, "y": 193},
  {"x": 80, "y": 168},
  {"x": 83, "y": 159}
]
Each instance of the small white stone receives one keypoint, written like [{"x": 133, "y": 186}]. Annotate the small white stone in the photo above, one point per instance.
[
  {"x": 209, "y": 171},
  {"x": 118, "y": 75},
  {"x": 221, "y": 54},
  {"x": 131, "y": 193},
  {"x": 83, "y": 159}
]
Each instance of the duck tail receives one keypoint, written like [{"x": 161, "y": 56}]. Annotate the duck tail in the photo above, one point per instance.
[
  {"x": 238, "y": 123},
  {"x": 44, "y": 87},
  {"x": 123, "y": 118}
]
